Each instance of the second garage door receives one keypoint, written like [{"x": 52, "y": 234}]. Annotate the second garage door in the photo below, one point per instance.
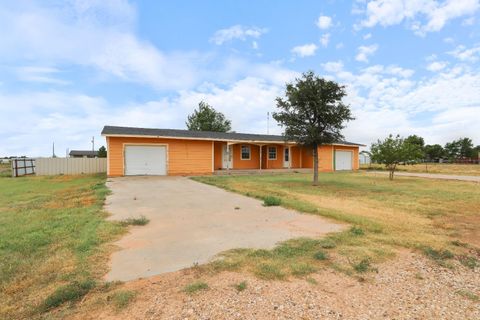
[
  {"x": 343, "y": 160},
  {"x": 145, "y": 160}
]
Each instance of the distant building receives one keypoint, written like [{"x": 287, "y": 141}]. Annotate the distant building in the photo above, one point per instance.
[
  {"x": 364, "y": 157},
  {"x": 83, "y": 154}
]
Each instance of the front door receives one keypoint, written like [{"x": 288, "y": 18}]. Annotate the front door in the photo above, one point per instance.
[
  {"x": 286, "y": 157},
  {"x": 226, "y": 157}
]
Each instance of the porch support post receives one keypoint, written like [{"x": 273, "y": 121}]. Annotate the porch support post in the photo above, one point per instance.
[
  {"x": 290, "y": 157},
  {"x": 260, "y": 156},
  {"x": 229, "y": 155}
]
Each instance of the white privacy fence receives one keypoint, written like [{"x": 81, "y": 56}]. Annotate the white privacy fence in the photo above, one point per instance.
[{"x": 69, "y": 166}]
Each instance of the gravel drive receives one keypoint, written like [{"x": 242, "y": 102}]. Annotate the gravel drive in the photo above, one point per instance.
[{"x": 407, "y": 287}]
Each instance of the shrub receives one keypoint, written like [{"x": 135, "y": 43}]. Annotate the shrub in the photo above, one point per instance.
[
  {"x": 70, "y": 292},
  {"x": 362, "y": 266},
  {"x": 320, "y": 255},
  {"x": 271, "y": 201}
]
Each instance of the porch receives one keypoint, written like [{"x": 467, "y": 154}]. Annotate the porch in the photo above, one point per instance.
[
  {"x": 235, "y": 155},
  {"x": 260, "y": 171}
]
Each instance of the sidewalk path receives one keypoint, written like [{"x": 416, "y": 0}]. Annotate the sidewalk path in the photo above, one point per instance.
[{"x": 432, "y": 176}]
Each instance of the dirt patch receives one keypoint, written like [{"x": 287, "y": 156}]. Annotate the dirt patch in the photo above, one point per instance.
[{"x": 407, "y": 287}]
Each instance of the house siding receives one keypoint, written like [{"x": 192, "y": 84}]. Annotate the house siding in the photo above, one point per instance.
[{"x": 184, "y": 157}]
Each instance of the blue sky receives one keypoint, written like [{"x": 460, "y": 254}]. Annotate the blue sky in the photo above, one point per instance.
[{"x": 69, "y": 67}]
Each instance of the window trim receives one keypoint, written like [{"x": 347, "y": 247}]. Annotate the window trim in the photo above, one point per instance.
[
  {"x": 249, "y": 152},
  {"x": 274, "y": 147}
]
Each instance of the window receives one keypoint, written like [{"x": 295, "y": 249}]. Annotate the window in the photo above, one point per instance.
[
  {"x": 245, "y": 153},
  {"x": 272, "y": 153}
]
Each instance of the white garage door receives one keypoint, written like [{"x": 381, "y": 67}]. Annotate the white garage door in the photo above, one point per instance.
[
  {"x": 343, "y": 160},
  {"x": 145, "y": 160}
]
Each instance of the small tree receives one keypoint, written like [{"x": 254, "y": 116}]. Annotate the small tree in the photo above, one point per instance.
[
  {"x": 393, "y": 151},
  {"x": 313, "y": 113},
  {"x": 102, "y": 152},
  {"x": 206, "y": 118}
]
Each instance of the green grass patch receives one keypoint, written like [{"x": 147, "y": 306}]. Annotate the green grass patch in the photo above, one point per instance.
[
  {"x": 269, "y": 271},
  {"x": 438, "y": 255},
  {"x": 362, "y": 266},
  {"x": 320, "y": 255},
  {"x": 302, "y": 269},
  {"x": 53, "y": 241},
  {"x": 271, "y": 201},
  {"x": 141, "y": 221},
  {"x": 327, "y": 244},
  {"x": 469, "y": 261},
  {"x": 195, "y": 287},
  {"x": 241, "y": 286},
  {"x": 122, "y": 298},
  {"x": 68, "y": 293}
]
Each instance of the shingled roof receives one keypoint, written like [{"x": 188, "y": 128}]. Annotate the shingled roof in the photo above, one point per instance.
[{"x": 207, "y": 135}]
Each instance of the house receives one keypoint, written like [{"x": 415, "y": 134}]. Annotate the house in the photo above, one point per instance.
[
  {"x": 83, "y": 154},
  {"x": 142, "y": 151}
]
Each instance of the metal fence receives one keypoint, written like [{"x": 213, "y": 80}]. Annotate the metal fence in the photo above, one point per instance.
[
  {"x": 70, "y": 166},
  {"x": 22, "y": 167}
]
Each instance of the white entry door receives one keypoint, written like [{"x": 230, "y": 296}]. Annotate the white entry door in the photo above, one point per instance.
[
  {"x": 145, "y": 160},
  {"x": 226, "y": 157},
  {"x": 286, "y": 157},
  {"x": 343, "y": 160}
]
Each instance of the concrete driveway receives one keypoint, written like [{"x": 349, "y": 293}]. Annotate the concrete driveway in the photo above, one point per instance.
[{"x": 191, "y": 222}]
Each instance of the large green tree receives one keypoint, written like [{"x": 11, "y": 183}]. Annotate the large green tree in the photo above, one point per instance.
[
  {"x": 434, "y": 151},
  {"x": 395, "y": 150},
  {"x": 206, "y": 118},
  {"x": 313, "y": 113},
  {"x": 461, "y": 148}
]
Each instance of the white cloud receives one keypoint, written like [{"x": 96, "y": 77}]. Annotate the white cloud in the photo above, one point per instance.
[
  {"x": 237, "y": 32},
  {"x": 39, "y": 74},
  {"x": 469, "y": 21},
  {"x": 94, "y": 34},
  {"x": 441, "y": 108},
  {"x": 306, "y": 50},
  {"x": 436, "y": 66},
  {"x": 466, "y": 54},
  {"x": 422, "y": 15},
  {"x": 365, "y": 51},
  {"x": 324, "y": 22},
  {"x": 325, "y": 39},
  {"x": 367, "y": 36}
]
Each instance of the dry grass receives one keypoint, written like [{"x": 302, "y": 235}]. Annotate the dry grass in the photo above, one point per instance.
[
  {"x": 418, "y": 214},
  {"x": 441, "y": 168}
]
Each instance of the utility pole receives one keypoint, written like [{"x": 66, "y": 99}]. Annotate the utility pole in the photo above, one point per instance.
[
  {"x": 93, "y": 143},
  {"x": 53, "y": 150}
]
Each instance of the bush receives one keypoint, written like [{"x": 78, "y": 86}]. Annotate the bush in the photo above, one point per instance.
[
  {"x": 271, "y": 201},
  {"x": 320, "y": 255},
  {"x": 70, "y": 292},
  {"x": 362, "y": 266}
]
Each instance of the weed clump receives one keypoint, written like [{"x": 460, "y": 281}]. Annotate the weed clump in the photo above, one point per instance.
[
  {"x": 135, "y": 221},
  {"x": 195, "y": 287},
  {"x": 271, "y": 201}
]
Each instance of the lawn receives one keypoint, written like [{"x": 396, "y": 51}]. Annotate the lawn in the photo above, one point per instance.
[
  {"x": 54, "y": 243},
  {"x": 441, "y": 168},
  {"x": 439, "y": 219}
]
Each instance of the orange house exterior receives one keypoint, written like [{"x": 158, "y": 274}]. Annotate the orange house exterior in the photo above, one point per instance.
[{"x": 141, "y": 151}]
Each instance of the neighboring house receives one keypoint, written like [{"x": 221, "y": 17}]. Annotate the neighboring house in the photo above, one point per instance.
[
  {"x": 83, "y": 154},
  {"x": 140, "y": 151}
]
